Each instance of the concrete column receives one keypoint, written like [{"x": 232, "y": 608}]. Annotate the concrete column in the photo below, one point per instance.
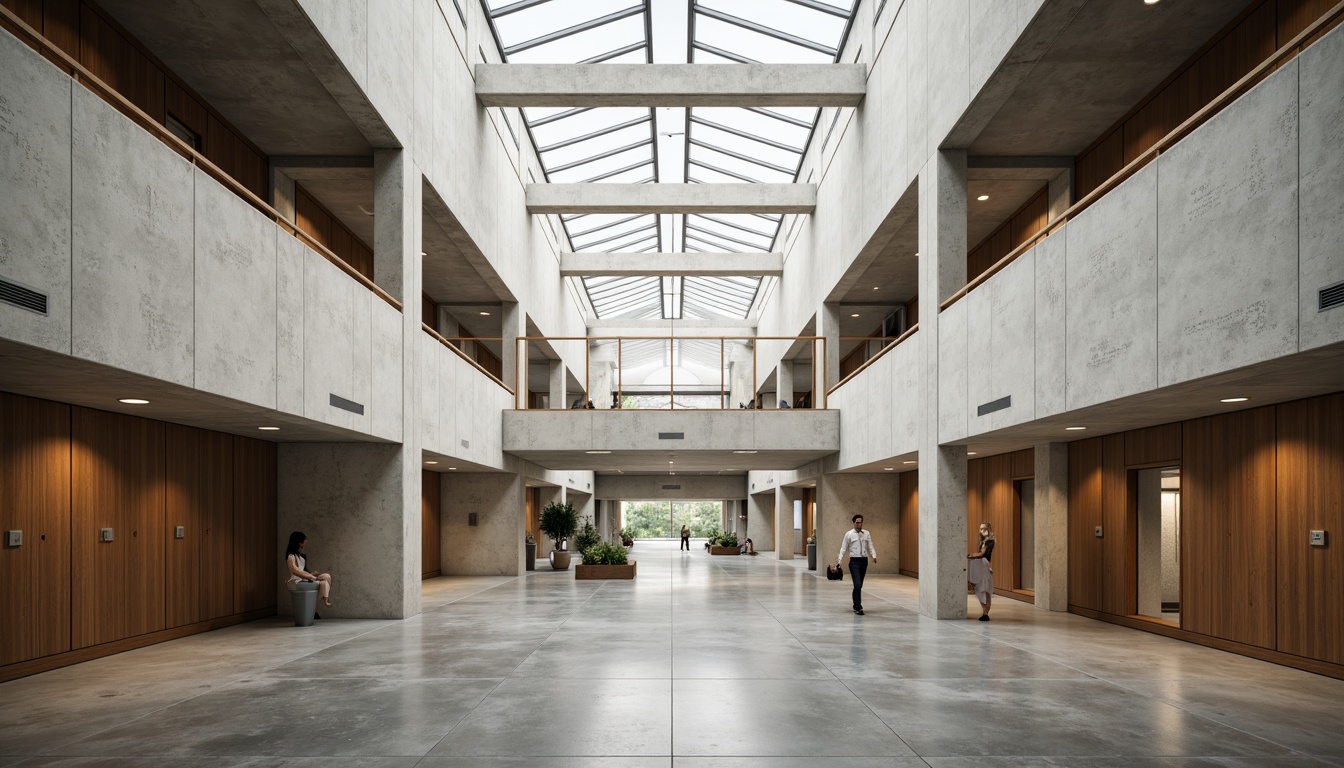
[
  {"x": 1052, "y": 526},
  {"x": 557, "y": 379},
  {"x": 827, "y": 327},
  {"x": 282, "y": 194},
  {"x": 784, "y": 498},
  {"x": 447, "y": 326},
  {"x": 876, "y": 497},
  {"x": 359, "y": 503},
  {"x": 761, "y": 521},
  {"x": 741, "y": 386},
  {"x": 784, "y": 382},
  {"x": 1060, "y": 194},
  {"x": 513, "y": 323},
  {"x": 942, "y": 469},
  {"x": 494, "y": 546}
]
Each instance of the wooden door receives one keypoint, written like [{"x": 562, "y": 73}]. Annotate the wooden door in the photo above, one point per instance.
[
  {"x": 256, "y": 552},
  {"x": 429, "y": 523}
]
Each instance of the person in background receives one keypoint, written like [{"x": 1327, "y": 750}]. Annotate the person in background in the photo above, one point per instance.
[
  {"x": 297, "y": 563},
  {"x": 858, "y": 544},
  {"x": 978, "y": 571},
  {"x": 686, "y": 538}
]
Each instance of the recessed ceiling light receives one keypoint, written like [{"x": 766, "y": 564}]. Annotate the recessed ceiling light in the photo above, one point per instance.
[
  {"x": 452, "y": 467},
  {"x": 423, "y": 253},
  {"x": 1074, "y": 429},
  {"x": 1151, "y": 2},
  {"x": 671, "y": 462},
  {"x": 269, "y": 429},
  {"x": 743, "y": 451},
  {"x": 890, "y": 469},
  {"x": 431, "y": 462},
  {"x": 485, "y": 314},
  {"x": 597, "y": 452},
  {"x": 982, "y": 198},
  {"x": 909, "y": 462},
  {"x": 970, "y": 453},
  {"x": 877, "y": 287},
  {"x": 856, "y": 314},
  {"x": 133, "y": 401},
  {"x": 1225, "y": 399}
]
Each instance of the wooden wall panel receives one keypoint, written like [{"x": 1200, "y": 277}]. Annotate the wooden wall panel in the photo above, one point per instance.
[
  {"x": 115, "y": 60},
  {"x": 117, "y": 481},
  {"x": 256, "y": 556},
  {"x": 1099, "y": 163},
  {"x": 1154, "y": 445},
  {"x": 429, "y": 311},
  {"x": 975, "y": 501},
  {"x": 35, "y": 499},
  {"x": 186, "y": 109},
  {"x": 1310, "y": 494},
  {"x": 1227, "y": 526},
  {"x": 1118, "y": 540},
  {"x": 991, "y": 493},
  {"x": 199, "y": 488},
  {"x": 29, "y": 11},
  {"x": 909, "y": 523},
  {"x": 1086, "y": 566},
  {"x": 60, "y": 25},
  {"x": 1024, "y": 464},
  {"x": 430, "y": 502},
  {"x": 319, "y": 223}
]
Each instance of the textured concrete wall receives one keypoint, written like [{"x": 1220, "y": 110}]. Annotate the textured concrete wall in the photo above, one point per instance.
[
  {"x": 699, "y": 487},
  {"x": 1321, "y": 193},
  {"x": 494, "y": 546},
  {"x": 761, "y": 520},
  {"x": 876, "y": 497},
  {"x": 573, "y": 430}
]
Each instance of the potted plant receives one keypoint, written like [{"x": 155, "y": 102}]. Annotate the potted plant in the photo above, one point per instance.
[
  {"x": 559, "y": 522},
  {"x": 605, "y": 561},
  {"x": 724, "y": 544},
  {"x": 587, "y": 536}
]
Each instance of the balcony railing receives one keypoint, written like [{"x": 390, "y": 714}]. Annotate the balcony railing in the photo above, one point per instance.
[
  {"x": 673, "y": 372},
  {"x": 81, "y": 75},
  {"x": 455, "y": 343},
  {"x": 878, "y": 356}
]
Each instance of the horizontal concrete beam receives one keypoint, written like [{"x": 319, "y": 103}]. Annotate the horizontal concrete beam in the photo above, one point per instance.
[
  {"x": 671, "y": 198},
  {"x": 671, "y": 264},
  {"x": 670, "y": 85}
]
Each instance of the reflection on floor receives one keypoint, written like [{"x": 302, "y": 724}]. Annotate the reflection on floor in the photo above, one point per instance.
[{"x": 701, "y": 661}]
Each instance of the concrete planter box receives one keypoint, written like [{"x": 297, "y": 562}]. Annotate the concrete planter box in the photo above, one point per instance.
[
  {"x": 724, "y": 551},
  {"x": 586, "y": 572}
]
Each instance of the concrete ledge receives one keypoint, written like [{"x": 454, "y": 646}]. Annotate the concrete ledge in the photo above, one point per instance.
[
  {"x": 671, "y": 85},
  {"x": 671, "y": 198},
  {"x": 671, "y": 264}
]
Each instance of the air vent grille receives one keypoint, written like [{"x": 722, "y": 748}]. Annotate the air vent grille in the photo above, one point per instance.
[
  {"x": 1331, "y": 297},
  {"x": 671, "y": 487},
  {"x": 23, "y": 298}
]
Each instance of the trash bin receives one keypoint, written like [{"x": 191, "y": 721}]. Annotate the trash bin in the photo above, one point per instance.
[
  {"x": 305, "y": 603},
  {"x": 531, "y": 561},
  {"x": 811, "y": 557}
]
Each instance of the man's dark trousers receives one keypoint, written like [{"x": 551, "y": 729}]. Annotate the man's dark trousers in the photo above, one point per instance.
[{"x": 858, "y": 568}]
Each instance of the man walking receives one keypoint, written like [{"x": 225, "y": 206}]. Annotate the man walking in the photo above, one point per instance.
[{"x": 859, "y": 544}]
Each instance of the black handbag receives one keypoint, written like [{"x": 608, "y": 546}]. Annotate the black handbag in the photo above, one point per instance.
[{"x": 833, "y": 573}]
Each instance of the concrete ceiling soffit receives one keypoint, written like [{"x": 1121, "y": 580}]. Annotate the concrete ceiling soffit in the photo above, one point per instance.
[{"x": 438, "y": 210}]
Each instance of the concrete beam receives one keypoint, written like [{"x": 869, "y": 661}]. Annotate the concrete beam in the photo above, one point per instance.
[
  {"x": 671, "y": 85},
  {"x": 708, "y": 328},
  {"x": 671, "y": 198},
  {"x": 671, "y": 264}
]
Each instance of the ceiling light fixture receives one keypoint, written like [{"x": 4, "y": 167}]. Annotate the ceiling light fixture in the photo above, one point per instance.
[
  {"x": 133, "y": 401},
  {"x": 970, "y": 453},
  {"x": 485, "y": 314},
  {"x": 1224, "y": 400},
  {"x": 1151, "y": 2},
  {"x": 909, "y": 462},
  {"x": 269, "y": 429},
  {"x": 431, "y": 462},
  {"x": 743, "y": 451},
  {"x": 598, "y": 452},
  {"x": 982, "y": 198},
  {"x": 877, "y": 287},
  {"x": 452, "y": 468},
  {"x": 1074, "y": 429},
  {"x": 856, "y": 314},
  {"x": 890, "y": 469}
]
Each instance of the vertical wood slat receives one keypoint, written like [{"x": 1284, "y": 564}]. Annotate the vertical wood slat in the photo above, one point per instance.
[
  {"x": 117, "y": 481},
  {"x": 1117, "y": 543},
  {"x": 115, "y": 60},
  {"x": 60, "y": 25},
  {"x": 1228, "y": 526},
  {"x": 909, "y": 522},
  {"x": 35, "y": 499},
  {"x": 430, "y": 496},
  {"x": 1153, "y": 445},
  {"x": 30, "y": 11},
  {"x": 1310, "y": 495},
  {"x": 1086, "y": 566},
  {"x": 255, "y": 552},
  {"x": 199, "y": 487}
]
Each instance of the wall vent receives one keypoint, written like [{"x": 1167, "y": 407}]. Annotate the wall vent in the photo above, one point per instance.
[
  {"x": 671, "y": 487},
  {"x": 465, "y": 443},
  {"x": 671, "y": 435},
  {"x": 1331, "y": 297},
  {"x": 346, "y": 405},
  {"x": 994, "y": 405},
  {"x": 23, "y": 297}
]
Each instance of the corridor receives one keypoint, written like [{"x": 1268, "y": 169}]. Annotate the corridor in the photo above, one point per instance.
[{"x": 723, "y": 661}]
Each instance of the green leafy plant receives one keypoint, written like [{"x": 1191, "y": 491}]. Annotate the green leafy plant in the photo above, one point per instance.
[
  {"x": 728, "y": 539},
  {"x": 603, "y": 553},
  {"x": 714, "y": 535},
  {"x": 559, "y": 522},
  {"x": 627, "y": 537},
  {"x": 587, "y": 536}
]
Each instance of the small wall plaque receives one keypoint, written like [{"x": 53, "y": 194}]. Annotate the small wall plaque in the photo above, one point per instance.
[
  {"x": 1317, "y": 538},
  {"x": 1097, "y": 531}
]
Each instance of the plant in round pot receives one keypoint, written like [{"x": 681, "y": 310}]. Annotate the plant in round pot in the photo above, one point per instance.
[{"x": 559, "y": 522}]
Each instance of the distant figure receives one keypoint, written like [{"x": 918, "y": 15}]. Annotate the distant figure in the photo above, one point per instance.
[
  {"x": 615, "y": 401},
  {"x": 686, "y": 538},
  {"x": 784, "y": 405},
  {"x": 298, "y": 568},
  {"x": 747, "y": 548},
  {"x": 978, "y": 571},
  {"x": 858, "y": 544},
  {"x": 577, "y": 404},
  {"x": 590, "y": 406}
]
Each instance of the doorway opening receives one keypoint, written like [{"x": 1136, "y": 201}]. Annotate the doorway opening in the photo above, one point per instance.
[
  {"x": 664, "y": 519},
  {"x": 1157, "y": 505}
]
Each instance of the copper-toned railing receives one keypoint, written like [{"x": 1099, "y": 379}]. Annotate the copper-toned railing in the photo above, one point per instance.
[
  {"x": 1235, "y": 91},
  {"x": 448, "y": 342},
  {"x": 877, "y": 356},
  {"x": 84, "y": 77}
]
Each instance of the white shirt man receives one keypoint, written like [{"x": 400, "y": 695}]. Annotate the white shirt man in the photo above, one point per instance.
[{"x": 858, "y": 544}]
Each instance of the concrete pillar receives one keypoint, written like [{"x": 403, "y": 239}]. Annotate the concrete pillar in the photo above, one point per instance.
[
  {"x": 448, "y": 327},
  {"x": 1060, "y": 194},
  {"x": 942, "y": 469},
  {"x": 741, "y": 385},
  {"x": 784, "y": 530},
  {"x": 877, "y": 498},
  {"x": 784, "y": 382},
  {"x": 827, "y": 327},
  {"x": 360, "y": 503},
  {"x": 513, "y": 323},
  {"x": 761, "y": 520},
  {"x": 282, "y": 194},
  {"x": 557, "y": 380},
  {"x": 1052, "y": 526},
  {"x": 494, "y": 546}
]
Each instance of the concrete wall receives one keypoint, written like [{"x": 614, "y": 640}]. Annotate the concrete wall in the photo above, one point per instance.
[
  {"x": 494, "y": 546},
  {"x": 880, "y": 408},
  {"x": 697, "y": 487},
  {"x": 572, "y": 430},
  {"x": 460, "y": 406},
  {"x": 877, "y": 497}
]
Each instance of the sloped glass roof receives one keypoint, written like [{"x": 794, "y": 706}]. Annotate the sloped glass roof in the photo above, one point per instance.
[{"x": 705, "y": 145}]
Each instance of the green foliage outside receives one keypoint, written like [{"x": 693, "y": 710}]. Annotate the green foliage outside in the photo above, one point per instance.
[
  {"x": 603, "y": 553},
  {"x": 587, "y": 536},
  {"x": 663, "y": 520},
  {"x": 558, "y": 521}
]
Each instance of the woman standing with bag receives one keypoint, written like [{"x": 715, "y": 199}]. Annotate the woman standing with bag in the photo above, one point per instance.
[
  {"x": 686, "y": 538},
  {"x": 978, "y": 571}
]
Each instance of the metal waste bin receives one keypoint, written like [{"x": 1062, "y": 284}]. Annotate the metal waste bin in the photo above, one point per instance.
[{"x": 305, "y": 603}]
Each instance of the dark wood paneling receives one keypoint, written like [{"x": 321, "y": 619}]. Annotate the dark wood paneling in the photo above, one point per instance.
[
  {"x": 30, "y": 11},
  {"x": 1099, "y": 163},
  {"x": 115, "y": 60},
  {"x": 1310, "y": 491},
  {"x": 1227, "y": 526},
  {"x": 187, "y": 110},
  {"x": 117, "y": 481},
  {"x": 1024, "y": 464},
  {"x": 429, "y": 311},
  {"x": 256, "y": 559},
  {"x": 909, "y": 523},
  {"x": 1118, "y": 553},
  {"x": 319, "y": 223},
  {"x": 991, "y": 493},
  {"x": 1154, "y": 445},
  {"x": 60, "y": 25},
  {"x": 200, "y": 488},
  {"x": 35, "y": 499},
  {"x": 1086, "y": 566},
  {"x": 430, "y": 495}
]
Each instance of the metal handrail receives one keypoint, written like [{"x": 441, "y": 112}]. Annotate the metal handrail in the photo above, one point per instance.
[
  {"x": 448, "y": 342},
  {"x": 1233, "y": 92},
  {"x": 520, "y": 356},
  {"x": 80, "y": 74},
  {"x": 880, "y": 353}
]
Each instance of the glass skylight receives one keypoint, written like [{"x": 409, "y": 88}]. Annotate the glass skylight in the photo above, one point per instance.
[{"x": 706, "y": 145}]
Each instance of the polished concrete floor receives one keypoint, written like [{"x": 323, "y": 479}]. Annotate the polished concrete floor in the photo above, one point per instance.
[{"x": 701, "y": 661}]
